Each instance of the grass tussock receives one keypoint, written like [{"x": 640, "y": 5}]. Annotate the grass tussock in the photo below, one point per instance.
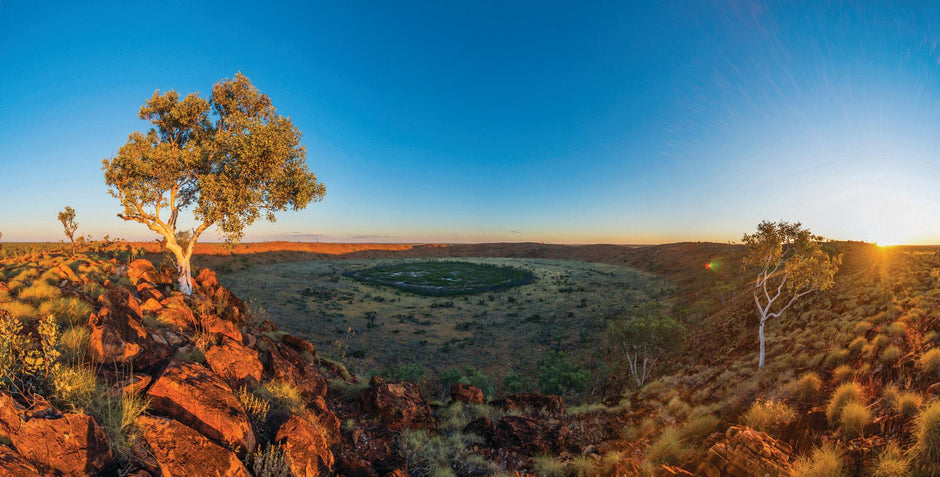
[
  {"x": 117, "y": 415},
  {"x": 39, "y": 291},
  {"x": 805, "y": 390},
  {"x": 904, "y": 403},
  {"x": 768, "y": 416},
  {"x": 853, "y": 419},
  {"x": 825, "y": 461},
  {"x": 71, "y": 311},
  {"x": 851, "y": 392},
  {"x": 930, "y": 363},
  {"x": 282, "y": 396},
  {"x": 429, "y": 455},
  {"x": 891, "y": 462},
  {"x": 926, "y": 449},
  {"x": 669, "y": 448}
]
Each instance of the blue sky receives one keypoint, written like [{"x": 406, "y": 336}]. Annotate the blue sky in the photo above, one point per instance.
[{"x": 566, "y": 122}]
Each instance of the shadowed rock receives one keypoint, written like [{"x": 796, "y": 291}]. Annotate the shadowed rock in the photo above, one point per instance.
[
  {"x": 745, "y": 452},
  {"x": 307, "y": 445},
  {"x": 65, "y": 444},
  {"x": 14, "y": 465},
  {"x": 397, "y": 405},
  {"x": 530, "y": 436},
  {"x": 466, "y": 393},
  {"x": 193, "y": 395},
  {"x": 235, "y": 363}
]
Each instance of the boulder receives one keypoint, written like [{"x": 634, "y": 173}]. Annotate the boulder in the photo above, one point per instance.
[
  {"x": 283, "y": 363},
  {"x": 64, "y": 444},
  {"x": 170, "y": 448},
  {"x": 745, "y": 452},
  {"x": 483, "y": 427},
  {"x": 117, "y": 334},
  {"x": 397, "y": 405},
  {"x": 370, "y": 451},
  {"x": 466, "y": 393},
  {"x": 14, "y": 465},
  {"x": 142, "y": 270},
  {"x": 9, "y": 415},
  {"x": 217, "y": 326},
  {"x": 232, "y": 308},
  {"x": 300, "y": 345},
  {"x": 530, "y": 436},
  {"x": 235, "y": 363},
  {"x": 307, "y": 444},
  {"x": 193, "y": 395}
]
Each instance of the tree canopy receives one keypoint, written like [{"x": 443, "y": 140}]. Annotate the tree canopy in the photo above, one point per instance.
[
  {"x": 231, "y": 159},
  {"x": 789, "y": 263},
  {"x": 67, "y": 217}
]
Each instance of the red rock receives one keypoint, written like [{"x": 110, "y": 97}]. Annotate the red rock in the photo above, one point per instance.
[
  {"x": 14, "y": 465},
  {"x": 307, "y": 445},
  {"x": 193, "y": 395},
  {"x": 146, "y": 291},
  {"x": 535, "y": 402},
  {"x": 181, "y": 317},
  {"x": 745, "y": 452},
  {"x": 669, "y": 471},
  {"x": 151, "y": 305},
  {"x": 207, "y": 280},
  {"x": 170, "y": 448},
  {"x": 142, "y": 270},
  {"x": 397, "y": 405},
  {"x": 233, "y": 309},
  {"x": 466, "y": 393},
  {"x": 70, "y": 444},
  {"x": 215, "y": 325},
  {"x": 117, "y": 334},
  {"x": 530, "y": 436},
  {"x": 9, "y": 415},
  {"x": 235, "y": 363},
  {"x": 483, "y": 427},
  {"x": 283, "y": 363},
  {"x": 299, "y": 344},
  {"x": 371, "y": 451}
]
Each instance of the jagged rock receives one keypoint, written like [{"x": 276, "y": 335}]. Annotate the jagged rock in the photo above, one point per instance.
[
  {"x": 176, "y": 312},
  {"x": 151, "y": 305},
  {"x": 397, "y": 405},
  {"x": 217, "y": 326},
  {"x": 14, "y": 465},
  {"x": 137, "y": 384},
  {"x": 466, "y": 393},
  {"x": 299, "y": 344},
  {"x": 66, "y": 273},
  {"x": 372, "y": 451},
  {"x": 670, "y": 471},
  {"x": 745, "y": 452},
  {"x": 170, "y": 448},
  {"x": 283, "y": 363},
  {"x": 147, "y": 291},
  {"x": 530, "y": 436},
  {"x": 142, "y": 270},
  {"x": 801, "y": 433},
  {"x": 9, "y": 415},
  {"x": 860, "y": 453},
  {"x": 66, "y": 444},
  {"x": 307, "y": 445},
  {"x": 535, "y": 402},
  {"x": 193, "y": 395},
  {"x": 233, "y": 309},
  {"x": 117, "y": 334},
  {"x": 235, "y": 363}
]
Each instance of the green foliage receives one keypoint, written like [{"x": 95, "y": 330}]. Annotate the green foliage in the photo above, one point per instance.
[
  {"x": 846, "y": 393},
  {"x": 24, "y": 364},
  {"x": 466, "y": 375},
  {"x": 926, "y": 449},
  {"x": 643, "y": 337},
  {"x": 117, "y": 415},
  {"x": 74, "y": 386},
  {"x": 891, "y": 462},
  {"x": 412, "y": 372},
  {"x": 444, "y": 278},
  {"x": 232, "y": 158},
  {"x": 515, "y": 383},
  {"x": 853, "y": 419},
  {"x": 69, "y": 310},
  {"x": 930, "y": 362},
  {"x": 825, "y": 461},
  {"x": 67, "y": 217},
  {"x": 789, "y": 263},
  {"x": 768, "y": 416},
  {"x": 429, "y": 454},
  {"x": 557, "y": 375},
  {"x": 548, "y": 466}
]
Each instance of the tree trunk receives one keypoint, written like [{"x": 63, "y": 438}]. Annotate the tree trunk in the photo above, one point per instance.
[
  {"x": 760, "y": 364},
  {"x": 185, "y": 274}
]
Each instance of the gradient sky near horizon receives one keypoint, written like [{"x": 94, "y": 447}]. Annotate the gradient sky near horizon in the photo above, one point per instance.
[{"x": 565, "y": 122}]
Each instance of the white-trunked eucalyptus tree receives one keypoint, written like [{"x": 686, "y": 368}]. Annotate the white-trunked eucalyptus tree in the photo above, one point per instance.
[
  {"x": 232, "y": 159},
  {"x": 789, "y": 263}
]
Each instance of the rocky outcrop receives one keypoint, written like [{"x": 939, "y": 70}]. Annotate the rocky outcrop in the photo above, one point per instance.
[
  {"x": 534, "y": 402},
  {"x": 526, "y": 435},
  {"x": 397, "y": 405},
  {"x": 14, "y": 465},
  {"x": 193, "y": 395},
  {"x": 466, "y": 393},
  {"x": 307, "y": 444},
  {"x": 64, "y": 444},
  {"x": 232, "y": 308},
  {"x": 236, "y": 364},
  {"x": 745, "y": 452},
  {"x": 117, "y": 335},
  {"x": 167, "y": 447},
  {"x": 372, "y": 451},
  {"x": 284, "y": 363}
]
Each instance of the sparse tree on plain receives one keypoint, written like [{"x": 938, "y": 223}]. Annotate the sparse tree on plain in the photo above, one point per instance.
[
  {"x": 67, "y": 217},
  {"x": 644, "y": 337},
  {"x": 231, "y": 158},
  {"x": 789, "y": 263}
]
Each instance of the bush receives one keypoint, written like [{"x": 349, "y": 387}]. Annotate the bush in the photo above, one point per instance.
[
  {"x": 443, "y": 454},
  {"x": 698, "y": 428},
  {"x": 117, "y": 417},
  {"x": 74, "y": 343},
  {"x": 905, "y": 403},
  {"x": 853, "y": 419},
  {"x": 270, "y": 461},
  {"x": 825, "y": 461},
  {"x": 805, "y": 390},
  {"x": 842, "y": 373},
  {"x": 926, "y": 449},
  {"x": 68, "y": 310},
  {"x": 768, "y": 416},
  {"x": 74, "y": 387},
  {"x": 930, "y": 362},
  {"x": 466, "y": 376},
  {"x": 557, "y": 375},
  {"x": 844, "y": 394},
  {"x": 668, "y": 449},
  {"x": 283, "y": 395},
  {"x": 890, "y": 355},
  {"x": 412, "y": 372},
  {"x": 891, "y": 463}
]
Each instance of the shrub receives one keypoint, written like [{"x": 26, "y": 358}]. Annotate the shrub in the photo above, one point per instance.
[
  {"x": 548, "y": 466},
  {"x": 844, "y": 394},
  {"x": 853, "y": 419},
  {"x": 825, "y": 461},
  {"x": 467, "y": 375},
  {"x": 698, "y": 428},
  {"x": 898, "y": 328},
  {"x": 557, "y": 375},
  {"x": 768, "y": 416},
  {"x": 282, "y": 394},
  {"x": 68, "y": 310},
  {"x": 255, "y": 406},
  {"x": 930, "y": 362},
  {"x": 668, "y": 448},
  {"x": 891, "y": 462},
  {"x": 74, "y": 343},
  {"x": 880, "y": 340},
  {"x": 926, "y": 449},
  {"x": 270, "y": 461},
  {"x": 412, "y": 372},
  {"x": 74, "y": 386},
  {"x": 835, "y": 356},
  {"x": 890, "y": 355},
  {"x": 842, "y": 373},
  {"x": 806, "y": 389},
  {"x": 117, "y": 416}
]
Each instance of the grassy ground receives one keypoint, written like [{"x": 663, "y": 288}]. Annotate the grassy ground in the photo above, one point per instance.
[
  {"x": 380, "y": 330},
  {"x": 444, "y": 277}
]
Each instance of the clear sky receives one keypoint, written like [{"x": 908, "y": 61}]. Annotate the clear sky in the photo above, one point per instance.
[{"x": 457, "y": 121}]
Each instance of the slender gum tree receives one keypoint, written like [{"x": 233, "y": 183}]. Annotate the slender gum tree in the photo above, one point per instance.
[
  {"x": 231, "y": 158},
  {"x": 789, "y": 264},
  {"x": 67, "y": 217}
]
